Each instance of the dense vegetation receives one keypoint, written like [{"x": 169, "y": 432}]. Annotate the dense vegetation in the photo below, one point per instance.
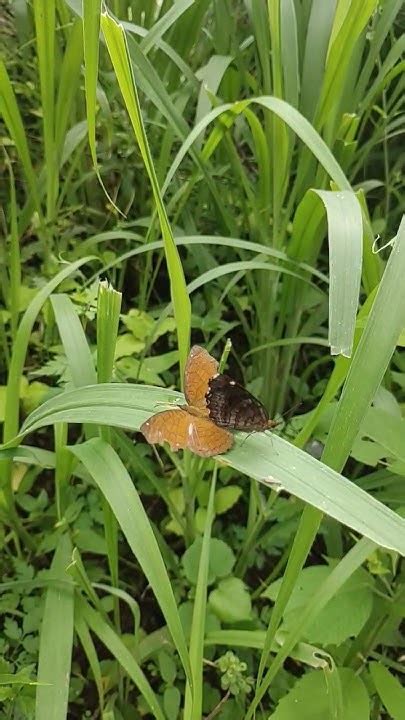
[{"x": 197, "y": 171}]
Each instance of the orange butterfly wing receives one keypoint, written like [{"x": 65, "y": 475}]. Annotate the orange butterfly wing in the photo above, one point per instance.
[
  {"x": 200, "y": 368},
  {"x": 181, "y": 430}
]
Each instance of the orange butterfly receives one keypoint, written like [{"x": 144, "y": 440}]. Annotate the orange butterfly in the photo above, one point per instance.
[{"x": 189, "y": 425}]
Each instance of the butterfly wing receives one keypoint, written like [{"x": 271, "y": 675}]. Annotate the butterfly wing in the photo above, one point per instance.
[
  {"x": 200, "y": 368},
  {"x": 231, "y": 406},
  {"x": 181, "y": 430}
]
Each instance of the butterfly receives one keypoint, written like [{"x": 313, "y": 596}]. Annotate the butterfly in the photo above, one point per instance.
[
  {"x": 189, "y": 425},
  {"x": 215, "y": 405}
]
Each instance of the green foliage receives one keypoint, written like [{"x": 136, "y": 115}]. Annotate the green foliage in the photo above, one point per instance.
[
  {"x": 344, "y": 615},
  {"x": 167, "y": 183},
  {"x": 344, "y": 696}
]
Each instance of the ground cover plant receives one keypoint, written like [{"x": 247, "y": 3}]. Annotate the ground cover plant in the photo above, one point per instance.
[{"x": 227, "y": 173}]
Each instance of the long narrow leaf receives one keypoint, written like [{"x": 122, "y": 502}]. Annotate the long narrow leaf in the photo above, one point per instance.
[
  {"x": 112, "y": 478},
  {"x": 74, "y": 341},
  {"x": 118, "y": 50},
  {"x": 268, "y": 458},
  {"x": 374, "y": 351},
  {"x": 21, "y": 344},
  {"x": 56, "y": 641},
  {"x": 345, "y": 234},
  {"x": 113, "y": 642}
]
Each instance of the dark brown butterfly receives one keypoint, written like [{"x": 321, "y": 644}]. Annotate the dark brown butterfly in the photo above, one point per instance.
[
  {"x": 189, "y": 425},
  {"x": 215, "y": 405},
  {"x": 231, "y": 406}
]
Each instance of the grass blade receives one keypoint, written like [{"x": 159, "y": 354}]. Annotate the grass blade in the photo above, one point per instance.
[
  {"x": 193, "y": 704},
  {"x": 68, "y": 84},
  {"x": 267, "y": 458},
  {"x": 164, "y": 23},
  {"x": 118, "y": 50},
  {"x": 289, "y": 115},
  {"x": 91, "y": 33},
  {"x": 345, "y": 234},
  {"x": 108, "y": 317},
  {"x": 113, "y": 642},
  {"x": 44, "y": 14},
  {"x": 12, "y": 118},
  {"x": 353, "y": 560},
  {"x": 374, "y": 351},
  {"x": 104, "y": 466},
  {"x": 87, "y": 644},
  {"x": 56, "y": 640},
  {"x": 74, "y": 341},
  {"x": 21, "y": 345}
]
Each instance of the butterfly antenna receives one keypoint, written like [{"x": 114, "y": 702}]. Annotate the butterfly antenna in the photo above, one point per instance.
[
  {"x": 284, "y": 416},
  {"x": 247, "y": 436},
  {"x": 158, "y": 458},
  {"x": 287, "y": 413}
]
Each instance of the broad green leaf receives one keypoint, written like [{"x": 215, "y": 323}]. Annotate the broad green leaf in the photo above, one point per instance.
[
  {"x": 343, "y": 616},
  {"x": 172, "y": 701},
  {"x": 221, "y": 560},
  {"x": 310, "y": 700},
  {"x": 386, "y": 430},
  {"x": 390, "y": 690},
  {"x": 226, "y": 497},
  {"x": 231, "y": 601}
]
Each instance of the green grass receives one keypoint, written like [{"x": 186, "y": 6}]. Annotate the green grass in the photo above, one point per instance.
[{"x": 167, "y": 183}]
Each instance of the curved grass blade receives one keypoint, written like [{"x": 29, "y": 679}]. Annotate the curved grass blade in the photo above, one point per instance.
[
  {"x": 21, "y": 344},
  {"x": 263, "y": 456},
  {"x": 118, "y": 50},
  {"x": 288, "y": 114},
  {"x": 376, "y": 346},
  {"x": 342, "y": 572},
  {"x": 113, "y": 642},
  {"x": 10, "y": 112},
  {"x": 235, "y": 243},
  {"x": 74, "y": 341},
  {"x": 112, "y": 478}
]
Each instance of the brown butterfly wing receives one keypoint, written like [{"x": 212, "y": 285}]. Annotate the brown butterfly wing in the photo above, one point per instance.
[
  {"x": 231, "y": 406},
  {"x": 200, "y": 368},
  {"x": 181, "y": 430}
]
